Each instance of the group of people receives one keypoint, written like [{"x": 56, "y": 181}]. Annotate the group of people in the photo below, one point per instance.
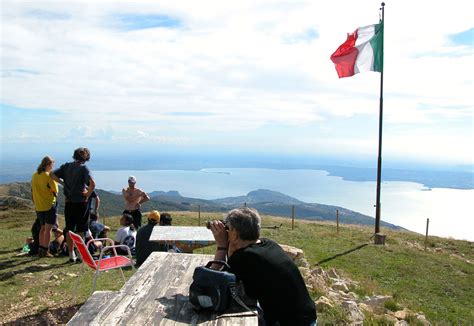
[
  {"x": 266, "y": 272},
  {"x": 81, "y": 211}
]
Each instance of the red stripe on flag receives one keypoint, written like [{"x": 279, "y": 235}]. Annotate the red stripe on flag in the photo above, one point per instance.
[{"x": 345, "y": 56}]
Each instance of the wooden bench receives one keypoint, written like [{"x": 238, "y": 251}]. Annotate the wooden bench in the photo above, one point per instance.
[{"x": 157, "y": 294}]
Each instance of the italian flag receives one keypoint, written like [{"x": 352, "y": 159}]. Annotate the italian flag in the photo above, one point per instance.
[{"x": 362, "y": 51}]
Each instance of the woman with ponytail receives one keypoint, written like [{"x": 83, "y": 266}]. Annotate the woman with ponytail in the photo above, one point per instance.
[{"x": 43, "y": 193}]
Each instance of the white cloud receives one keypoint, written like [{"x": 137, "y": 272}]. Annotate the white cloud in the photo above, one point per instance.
[{"x": 234, "y": 62}]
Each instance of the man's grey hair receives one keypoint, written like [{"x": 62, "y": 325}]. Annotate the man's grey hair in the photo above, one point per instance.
[{"x": 246, "y": 221}]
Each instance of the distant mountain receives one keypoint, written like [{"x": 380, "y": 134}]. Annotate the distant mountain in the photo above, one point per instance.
[
  {"x": 275, "y": 203},
  {"x": 265, "y": 201},
  {"x": 172, "y": 193},
  {"x": 259, "y": 196}
]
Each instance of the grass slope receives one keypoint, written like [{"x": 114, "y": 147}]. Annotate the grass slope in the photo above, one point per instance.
[{"x": 438, "y": 282}]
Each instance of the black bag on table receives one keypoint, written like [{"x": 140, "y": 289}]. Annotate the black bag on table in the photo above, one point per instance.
[{"x": 211, "y": 289}]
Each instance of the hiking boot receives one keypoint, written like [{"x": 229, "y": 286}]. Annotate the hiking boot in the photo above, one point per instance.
[{"x": 41, "y": 252}]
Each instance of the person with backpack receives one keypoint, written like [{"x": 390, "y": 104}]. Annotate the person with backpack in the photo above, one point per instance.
[
  {"x": 266, "y": 271},
  {"x": 44, "y": 191},
  {"x": 126, "y": 235}
]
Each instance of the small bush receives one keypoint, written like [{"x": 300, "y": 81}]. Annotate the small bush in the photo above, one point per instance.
[{"x": 391, "y": 305}]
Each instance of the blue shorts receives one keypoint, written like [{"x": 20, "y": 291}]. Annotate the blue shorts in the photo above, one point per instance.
[{"x": 47, "y": 217}]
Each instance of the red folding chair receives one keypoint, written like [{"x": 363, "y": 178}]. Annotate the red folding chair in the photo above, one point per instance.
[{"x": 103, "y": 264}]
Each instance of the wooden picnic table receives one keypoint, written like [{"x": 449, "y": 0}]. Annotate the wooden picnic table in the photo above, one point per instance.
[
  {"x": 186, "y": 238},
  {"x": 157, "y": 294}
]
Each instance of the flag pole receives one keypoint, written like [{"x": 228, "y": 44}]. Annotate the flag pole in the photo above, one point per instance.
[{"x": 379, "y": 159}]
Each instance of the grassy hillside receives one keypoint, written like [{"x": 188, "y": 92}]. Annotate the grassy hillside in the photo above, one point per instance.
[{"x": 438, "y": 282}]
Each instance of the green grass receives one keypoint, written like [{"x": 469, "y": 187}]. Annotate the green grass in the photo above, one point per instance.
[{"x": 437, "y": 283}]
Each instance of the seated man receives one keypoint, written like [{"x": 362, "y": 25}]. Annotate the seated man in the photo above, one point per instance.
[
  {"x": 97, "y": 229},
  {"x": 126, "y": 235},
  {"x": 267, "y": 273},
  {"x": 144, "y": 247},
  {"x": 58, "y": 246}
]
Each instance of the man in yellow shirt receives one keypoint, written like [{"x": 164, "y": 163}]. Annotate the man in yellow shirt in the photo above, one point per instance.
[{"x": 43, "y": 193}]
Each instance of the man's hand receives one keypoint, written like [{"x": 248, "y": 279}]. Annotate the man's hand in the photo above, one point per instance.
[{"x": 220, "y": 233}]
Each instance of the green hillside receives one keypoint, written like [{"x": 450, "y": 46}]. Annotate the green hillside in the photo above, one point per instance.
[{"x": 437, "y": 282}]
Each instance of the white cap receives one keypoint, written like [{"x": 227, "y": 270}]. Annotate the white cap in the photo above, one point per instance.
[{"x": 132, "y": 179}]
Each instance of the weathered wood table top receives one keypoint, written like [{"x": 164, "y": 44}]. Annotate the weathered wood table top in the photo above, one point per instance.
[
  {"x": 186, "y": 238},
  {"x": 157, "y": 294}
]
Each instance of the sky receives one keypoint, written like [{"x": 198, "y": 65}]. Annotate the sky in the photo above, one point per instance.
[{"x": 234, "y": 76}]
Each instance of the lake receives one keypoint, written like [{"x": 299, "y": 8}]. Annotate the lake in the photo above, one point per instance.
[{"x": 406, "y": 204}]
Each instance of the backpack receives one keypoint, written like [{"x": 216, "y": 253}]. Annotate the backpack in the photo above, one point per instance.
[{"x": 213, "y": 290}]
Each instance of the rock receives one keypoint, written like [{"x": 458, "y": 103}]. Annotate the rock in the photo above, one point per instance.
[
  {"x": 318, "y": 283},
  {"x": 402, "y": 323},
  {"x": 292, "y": 252},
  {"x": 319, "y": 271},
  {"x": 304, "y": 271},
  {"x": 377, "y": 300},
  {"x": 366, "y": 307},
  {"x": 303, "y": 263},
  {"x": 422, "y": 319},
  {"x": 332, "y": 273},
  {"x": 355, "y": 315},
  {"x": 402, "y": 314},
  {"x": 333, "y": 295},
  {"x": 391, "y": 319},
  {"x": 341, "y": 286},
  {"x": 71, "y": 274},
  {"x": 323, "y": 304},
  {"x": 353, "y": 295},
  {"x": 53, "y": 277}
]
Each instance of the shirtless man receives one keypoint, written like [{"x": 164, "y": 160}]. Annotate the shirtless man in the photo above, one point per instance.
[{"x": 134, "y": 197}]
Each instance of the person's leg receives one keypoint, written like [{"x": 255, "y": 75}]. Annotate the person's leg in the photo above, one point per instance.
[
  {"x": 82, "y": 218},
  {"x": 50, "y": 221},
  {"x": 42, "y": 220},
  {"x": 35, "y": 232},
  {"x": 137, "y": 218},
  {"x": 68, "y": 216}
]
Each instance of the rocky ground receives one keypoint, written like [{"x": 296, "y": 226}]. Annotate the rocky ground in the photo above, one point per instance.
[{"x": 336, "y": 291}]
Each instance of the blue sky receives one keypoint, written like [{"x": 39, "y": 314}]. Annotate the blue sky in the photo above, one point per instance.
[{"x": 246, "y": 76}]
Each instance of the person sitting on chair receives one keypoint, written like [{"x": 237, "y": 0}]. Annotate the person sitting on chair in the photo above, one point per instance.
[{"x": 267, "y": 273}]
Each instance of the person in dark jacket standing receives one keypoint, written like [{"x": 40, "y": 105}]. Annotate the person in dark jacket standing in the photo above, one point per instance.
[
  {"x": 78, "y": 186},
  {"x": 268, "y": 274}
]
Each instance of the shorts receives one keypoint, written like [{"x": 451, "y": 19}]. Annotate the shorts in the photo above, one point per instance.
[
  {"x": 76, "y": 216},
  {"x": 47, "y": 217},
  {"x": 137, "y": 217}
]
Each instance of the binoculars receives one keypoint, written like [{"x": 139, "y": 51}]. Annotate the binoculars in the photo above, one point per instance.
[{"x": 208, "y": 224}]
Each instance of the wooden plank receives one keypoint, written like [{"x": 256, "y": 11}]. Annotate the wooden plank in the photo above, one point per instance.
[
  {"x": 98, "y": 300},
  {"x": 157, "y": 294}
]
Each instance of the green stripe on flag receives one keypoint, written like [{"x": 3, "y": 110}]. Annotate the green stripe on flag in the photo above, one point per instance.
[{"x": 377, "y": 46}]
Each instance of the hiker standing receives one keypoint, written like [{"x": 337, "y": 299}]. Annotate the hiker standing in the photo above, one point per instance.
[
  {"x": 78, "y": 186},
  {"x": 43, "y": 193},
  {"x": 134, "y": 198}
]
